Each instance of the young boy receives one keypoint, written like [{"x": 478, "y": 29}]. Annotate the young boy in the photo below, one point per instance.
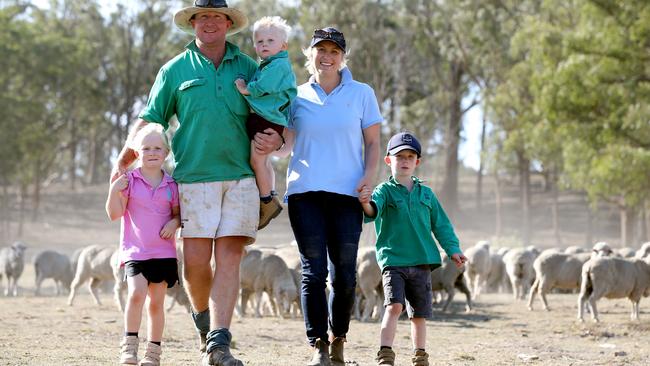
[
  {"x": 269, "y": 95},
  {"x": 406, "y": 212}
]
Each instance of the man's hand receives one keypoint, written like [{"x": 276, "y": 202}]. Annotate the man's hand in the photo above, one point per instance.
[
  {"x": 267, "y": 141},
  {"x": 120, "y": 183},
  {"x": 458, "y": 259}
]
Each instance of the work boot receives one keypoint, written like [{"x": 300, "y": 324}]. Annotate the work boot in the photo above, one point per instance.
[
  {"x": 269, "y": 211},
  {"x": 385, "y": 357},
  {"x": 129, "y": 350},
  {"x": 420, "y": 358},
  {"x": 336, "y": 351},
  {"x": 321, "y": 355},
  {"x": 221, "y": 356},
  {"x": 151, "y": 355}
]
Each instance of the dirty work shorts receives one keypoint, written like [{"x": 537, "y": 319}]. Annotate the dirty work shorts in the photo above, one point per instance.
[
  {"x": 256, "y": 123},
  {"x": 154, "y": 270},
  {"x": 218, "y": 209},
  {"x": 412, "y": 284}
]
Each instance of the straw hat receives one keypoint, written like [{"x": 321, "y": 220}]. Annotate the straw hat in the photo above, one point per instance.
[{"x": 183, "y": 16}]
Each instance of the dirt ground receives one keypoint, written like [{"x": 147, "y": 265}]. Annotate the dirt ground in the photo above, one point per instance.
[{"x": 44, "y": 330}]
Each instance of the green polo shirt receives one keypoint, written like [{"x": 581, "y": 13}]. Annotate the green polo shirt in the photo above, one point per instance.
[
  {"x": 404, "y": 223},
  {"x": 272, "y": 88},
  {"x": 211, "y": 143}
]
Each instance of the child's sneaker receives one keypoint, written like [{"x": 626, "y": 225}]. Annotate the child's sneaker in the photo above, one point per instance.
[
  {"x": 385, "y": 357},
  {"x": 151, "y": 355},
  {"x": 129, "y": 350},
  {"x": 269, "y": 211},
  {"x": 420, "y": 358}
]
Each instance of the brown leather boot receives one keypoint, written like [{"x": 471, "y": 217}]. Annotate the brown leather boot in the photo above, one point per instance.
[{"x": 336, "y": 351}]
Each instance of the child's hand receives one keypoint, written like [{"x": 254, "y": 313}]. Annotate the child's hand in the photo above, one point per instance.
[
  {"x": 364, "y": 194},
  {"x": 169, "y": 229},
  {"x": 459, "y": 259},
  {"x": 120, "y": 184},
  {"x": 241, "y": 86}
]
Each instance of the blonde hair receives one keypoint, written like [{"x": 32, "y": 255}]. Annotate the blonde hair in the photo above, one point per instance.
[
  {"x": 149, "y": 129},
  {"x": 274, "y": 22},
  {"x": 309, "y": 64}
]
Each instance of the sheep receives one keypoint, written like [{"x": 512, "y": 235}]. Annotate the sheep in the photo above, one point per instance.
[
  {"x": 447, "y": 277},
  {"x": 266, "y": 272},
  {"x": 497, "y": 280},
  {"x": 574, "y": 249},
  {"x": 54, "y": 265},
  {"x": 291, "y": 257},
  {"x": 519, "y": 267},
  {"x": 644, "y": 251},
  {"x": 12, "y": 263},
  {"x": 477, "y": 268},
  {"x": 369, "y": 284},
  {"x": 625, "y": 252},
  {"x": 95, "y": 264},
  {"x": 601, "y": 249},
  {"x": 556, "y": 270},
  {"x": 613, "y": 278}
]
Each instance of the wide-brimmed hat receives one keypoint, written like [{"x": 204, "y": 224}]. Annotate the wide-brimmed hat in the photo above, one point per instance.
[
  {"x": 328, "y": 34},
  {"x": 403, "y": 141},
  {"x": 183, "y": 16}
]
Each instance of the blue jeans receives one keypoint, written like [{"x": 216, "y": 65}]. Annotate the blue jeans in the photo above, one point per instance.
[{"x": 327, "y": 227}]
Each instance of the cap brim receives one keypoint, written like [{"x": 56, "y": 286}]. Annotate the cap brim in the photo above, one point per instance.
[
  {"x": 183, "y": 16},
  {"x": 316, "y": 41},
  {"x": 395, "y": 150}
]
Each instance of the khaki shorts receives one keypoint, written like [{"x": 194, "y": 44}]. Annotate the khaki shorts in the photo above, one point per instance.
[{"x": 218, "y": 209}]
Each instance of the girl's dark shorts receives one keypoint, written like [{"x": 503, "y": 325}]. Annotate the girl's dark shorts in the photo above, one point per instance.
[
  {"x": 154, "y": 270},
  {"x": 256, "y": 123}
]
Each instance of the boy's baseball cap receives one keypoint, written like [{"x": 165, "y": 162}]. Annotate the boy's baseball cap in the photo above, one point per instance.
[{"x": 403, "y": 141}]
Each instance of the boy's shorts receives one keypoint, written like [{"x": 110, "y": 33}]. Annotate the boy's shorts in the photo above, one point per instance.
[
  {"x": 154, "y": 270},
  {"x": 217, "y": 209},
  {"x": 412, "y": 284},
  {"x": 256, "y": 123}
]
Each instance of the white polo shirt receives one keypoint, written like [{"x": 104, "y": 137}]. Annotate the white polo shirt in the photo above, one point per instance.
[{"x": 328, "y": 150}]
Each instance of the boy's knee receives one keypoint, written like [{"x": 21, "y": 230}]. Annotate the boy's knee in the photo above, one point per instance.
[{"x": 394, "y": 309}]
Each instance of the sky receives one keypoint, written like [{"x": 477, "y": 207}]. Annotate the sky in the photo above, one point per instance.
[{"x": 469, "y": 151}]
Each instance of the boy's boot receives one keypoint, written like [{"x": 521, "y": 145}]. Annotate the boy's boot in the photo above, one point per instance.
[
  {"x": 420, "y": 358},
  {"x": 129, "y": 350},
  {"x": 269, "y": 210},
  {"x": 385, "y": 357},
  {"x": 151, "y": 355},
  {"x": 336, "y": 351},
  {"x": 321, "y": 355},
  {"x": 218, "y": 349}
]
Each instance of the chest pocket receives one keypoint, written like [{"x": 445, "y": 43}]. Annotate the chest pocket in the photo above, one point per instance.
[{"x": 193, "y": 95}]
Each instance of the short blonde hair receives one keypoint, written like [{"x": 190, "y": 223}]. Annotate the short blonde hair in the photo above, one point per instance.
[
  {"x": 274, "y": 22},
  {"x": 149, "y": 129},
  {"x": 309, "y": 64}
]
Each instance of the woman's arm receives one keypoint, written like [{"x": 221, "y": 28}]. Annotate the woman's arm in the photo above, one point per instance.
[
  {"x": 289, "y": 139},
  {"x": 371, "y": 155}
]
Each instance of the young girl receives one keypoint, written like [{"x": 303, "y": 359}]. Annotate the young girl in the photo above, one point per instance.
[{"x": 147, "y": 201}]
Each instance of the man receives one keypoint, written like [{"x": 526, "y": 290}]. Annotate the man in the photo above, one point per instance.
[{"x": 219, "y": 198}]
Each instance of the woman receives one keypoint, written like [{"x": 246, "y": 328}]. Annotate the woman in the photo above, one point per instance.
[{"x": 333, "y": 133}]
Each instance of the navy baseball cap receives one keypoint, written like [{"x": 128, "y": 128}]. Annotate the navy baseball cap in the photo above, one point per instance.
[
  {"x": 403, "y": 141},
  {"x": 328, "y": 34}
]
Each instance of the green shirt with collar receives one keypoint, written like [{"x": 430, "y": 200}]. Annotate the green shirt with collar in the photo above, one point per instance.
[
  {"x": 211, "y": 143},
  {"x": 272, "y": 88},
  {"x": 404, "y": 222}
]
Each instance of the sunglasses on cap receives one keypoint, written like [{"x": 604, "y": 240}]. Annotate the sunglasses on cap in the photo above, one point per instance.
[{"x": 210, "y": 4}]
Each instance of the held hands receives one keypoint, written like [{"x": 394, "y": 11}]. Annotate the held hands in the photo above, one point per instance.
[
  {"x": 458, "y": 259},
  {"x": 241, "y": 86},
  {"x": 267, "y": 141},
  {"x": 365, "y": 193}
]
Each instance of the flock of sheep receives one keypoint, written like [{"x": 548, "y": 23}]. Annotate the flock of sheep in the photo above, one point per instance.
[{"x": 272, "y": 276}]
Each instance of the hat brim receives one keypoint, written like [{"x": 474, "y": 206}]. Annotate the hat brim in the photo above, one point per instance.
[
  {"x": 183, "y": 16},
  {"x": 395, "y": 150},
  {"x": 316, "y": 41}
]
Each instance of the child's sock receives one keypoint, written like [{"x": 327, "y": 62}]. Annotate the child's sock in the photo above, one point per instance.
[
  {"x": 156, "y": 343},
  {"x": 419, "y": 349},
  {"x": 266, "y": 199},
  {"x": 385, "y": 347},
  {"x": 130, "y": 334}
]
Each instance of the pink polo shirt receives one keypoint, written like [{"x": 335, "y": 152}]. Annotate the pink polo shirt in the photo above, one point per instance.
[{"x": 147, "y": 211}]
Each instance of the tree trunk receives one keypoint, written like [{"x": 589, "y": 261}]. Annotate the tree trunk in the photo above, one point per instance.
[
  {"x": 72, "y": 168},
  {"x": 479, "y": 174},
  {"x": 589, "y": 235},
  {"x": 555, "y": 207},
  {"x": 644, "y": 224},
  {"x": 498, "y": 215},
  {"x": 524, "y": 188},
  {"x": 452, "y": 142},
  {"x": 21, "y": 212},
  {"x": 37, "y": 191},
  {"x": 4, "y": 212},
  {"x": 628, "y": 219}
]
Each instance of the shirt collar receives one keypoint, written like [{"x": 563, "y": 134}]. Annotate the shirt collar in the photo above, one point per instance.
[
  {"x": 416, "y": 180},
  {"x": 137, "y": 173},
  {"x": 231, "y": 50},
  {"x": 346, "y": 77},
  {"x": 281, "y": 54}
]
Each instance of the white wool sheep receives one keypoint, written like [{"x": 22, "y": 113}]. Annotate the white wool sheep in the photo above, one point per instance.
[
  {"x": 94, "y": 264},
  {"x": 291, "y": 257},
  {"x": 497, "y": 280},
  {"x": 477, "y": 268},
  {"x": 625, "y": 252},
  {"x": 448, "y": 277},
  {"x": 54, "y": 265},
  {"x": 369, "y": 285},
  {"x": 601, "y": 249},
  {"x": 12, "y": 263},
  {"x": 556, "y": 270},
  {"x": 644, "y": 251},
  {"x": 519, "y": 267},
  {"x": 574, "y": 249},
  {"x": 613, "y": 278}
]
